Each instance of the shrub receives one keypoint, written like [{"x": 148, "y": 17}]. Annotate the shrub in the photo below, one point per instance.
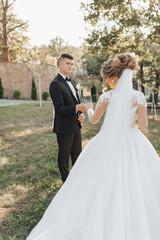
[
  {"x": 1, "y": 89},
  {"x": 16, "y": 94},
  {"x": 45, "y": 95},
  {"x": 33, "y": 90},
  {"x": 81, "y": 96},
  {"x": 93, "y": 94},
  {"x": 150, "y": 98}
]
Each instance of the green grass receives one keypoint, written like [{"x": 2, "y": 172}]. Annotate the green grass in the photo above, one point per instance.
[{"x": 29, "y": 175}]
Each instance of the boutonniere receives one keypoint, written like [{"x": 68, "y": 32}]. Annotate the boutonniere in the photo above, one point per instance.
[{"x": 78, "y": 86}]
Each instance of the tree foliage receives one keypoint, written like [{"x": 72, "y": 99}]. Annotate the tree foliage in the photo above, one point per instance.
[
  {"x": 93, "y": 94},
  {"x": 126, "y": 25},
  {"x": 13, "y": 41},
  {"x": 1, "y": 89},
  {"x": 56, "y": 48},
  {"x": 33, "y": 90}
]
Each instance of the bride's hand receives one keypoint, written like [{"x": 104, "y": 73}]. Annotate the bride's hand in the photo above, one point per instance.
[{"x": 88, "y": 105}]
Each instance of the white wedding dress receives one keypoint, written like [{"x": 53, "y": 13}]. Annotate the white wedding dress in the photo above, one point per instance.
[{"x": 113, "y": 190}]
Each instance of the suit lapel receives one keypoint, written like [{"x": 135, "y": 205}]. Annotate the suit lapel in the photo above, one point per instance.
[
  {"x": 66, "y": 84},
  {"x": 75, "y": 90}
]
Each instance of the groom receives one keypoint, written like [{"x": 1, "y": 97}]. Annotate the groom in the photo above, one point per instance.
[{"x": 68, "y": 115}]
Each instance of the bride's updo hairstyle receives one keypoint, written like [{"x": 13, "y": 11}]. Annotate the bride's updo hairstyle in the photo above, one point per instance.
[{"x": 115, "y": 66}]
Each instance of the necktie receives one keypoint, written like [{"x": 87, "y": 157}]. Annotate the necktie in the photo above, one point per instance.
[{"x": 68, "y": 79}]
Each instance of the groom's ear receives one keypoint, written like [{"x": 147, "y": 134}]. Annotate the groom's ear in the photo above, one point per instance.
[{"x": 60, "y": 63}]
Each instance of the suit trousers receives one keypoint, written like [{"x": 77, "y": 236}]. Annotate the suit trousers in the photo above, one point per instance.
[{"x": 69, "y": 145}]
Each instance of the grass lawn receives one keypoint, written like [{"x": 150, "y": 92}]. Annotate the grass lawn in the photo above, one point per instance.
[{"x": 29, "y": 176}]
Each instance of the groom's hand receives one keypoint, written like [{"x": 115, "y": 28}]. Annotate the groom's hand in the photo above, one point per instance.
[
  {"x": 81, "y": 107},
  {"x": 81, "y": 118}
]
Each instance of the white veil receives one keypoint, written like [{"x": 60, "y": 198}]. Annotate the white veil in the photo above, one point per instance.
[{"x": 119, "y": 111}]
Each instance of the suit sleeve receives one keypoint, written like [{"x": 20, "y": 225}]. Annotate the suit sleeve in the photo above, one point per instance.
[{"x": 58, "y": 102}]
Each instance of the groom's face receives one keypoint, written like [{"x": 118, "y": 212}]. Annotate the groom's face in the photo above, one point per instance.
[{"x": 66, "y": 66}]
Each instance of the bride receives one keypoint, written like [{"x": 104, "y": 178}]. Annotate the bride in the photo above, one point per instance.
[{"x": 113, "y": 190}]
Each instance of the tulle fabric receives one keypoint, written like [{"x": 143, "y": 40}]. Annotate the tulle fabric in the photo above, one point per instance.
[
  {"x": 113, "y": 190},
  {"x": 108, "y": 195}
]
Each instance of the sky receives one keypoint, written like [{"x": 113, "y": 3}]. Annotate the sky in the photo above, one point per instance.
[{"x": 51, "y": 18}]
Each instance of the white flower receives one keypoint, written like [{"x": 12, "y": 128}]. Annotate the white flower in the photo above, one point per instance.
[
  {"x": 133, "y": 54},
  {"x": 78, "y": 86}
]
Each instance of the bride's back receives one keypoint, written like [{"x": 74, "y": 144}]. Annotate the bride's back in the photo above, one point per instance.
[{"x": 138, "y": 107}]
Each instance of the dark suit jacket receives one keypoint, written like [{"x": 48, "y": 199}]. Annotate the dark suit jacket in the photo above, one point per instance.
[{"x": 65, "y": 121}]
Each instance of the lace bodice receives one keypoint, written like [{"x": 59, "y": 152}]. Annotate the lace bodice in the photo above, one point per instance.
[{"x": 104, "y": 99}]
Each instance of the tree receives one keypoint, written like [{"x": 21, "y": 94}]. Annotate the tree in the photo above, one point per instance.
[
  {"x": 154, "y": 48},
  {"x": 1, "y": 89},
  {"x": 93, "y": 64},
  {"x": 9, "y": 24},
  {"x": 93, "y": 94},
  {"x": 55, "y": 48},
  {"x": 1, "y": 41},
  {"x": 33, "y": 90},
  {"x": 153, "y": 69},
  {"x": 58, "y": 46},
  {"x": 119, "y": 26}
]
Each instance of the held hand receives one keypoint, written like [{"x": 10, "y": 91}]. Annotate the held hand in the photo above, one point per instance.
[
  {"x": 81, "y": 118},
  {"x": 81, "y": 107},
  {"x": 88, "y": 105}
]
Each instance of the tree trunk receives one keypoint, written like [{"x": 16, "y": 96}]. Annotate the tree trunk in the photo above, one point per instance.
[
  {"x": 156, "y": 88},
  {"x": 6, "y": 54},
  {"x": 142, "y": 78},
  {"x": 6, "y": 30},
  {"x": 5, "y": 35}
]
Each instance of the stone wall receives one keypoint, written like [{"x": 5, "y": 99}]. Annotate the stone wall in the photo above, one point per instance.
[{"x": 17, "y": 76}]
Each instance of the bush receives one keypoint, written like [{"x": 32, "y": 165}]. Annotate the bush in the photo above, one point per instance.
[
  {"x": 16, "y": 94},
  {"x": 81, "y": 96},
  {"x": 1, "y": 89},
  {"x": 45, "y": 95},
  {"x": 33, "y": 90},
  {"x": 93, "y": 94},
  {"x": 150, "y": 98}
]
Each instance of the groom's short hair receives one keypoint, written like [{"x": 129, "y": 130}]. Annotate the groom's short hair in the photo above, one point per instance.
[{"x": 65, "y": 55}]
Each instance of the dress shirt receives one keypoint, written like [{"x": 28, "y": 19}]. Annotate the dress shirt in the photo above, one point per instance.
[{"x": 70, "y": 85}]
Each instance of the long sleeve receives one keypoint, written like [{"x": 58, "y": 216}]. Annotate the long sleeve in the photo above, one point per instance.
[
  {"x": 94, "y": 116},
  {"x": 142, "y": 111},
  {"x": 57, "y": 99}
]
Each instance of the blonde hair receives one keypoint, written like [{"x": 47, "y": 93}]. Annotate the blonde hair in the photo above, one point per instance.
[{"x": 114, "y": 67}]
